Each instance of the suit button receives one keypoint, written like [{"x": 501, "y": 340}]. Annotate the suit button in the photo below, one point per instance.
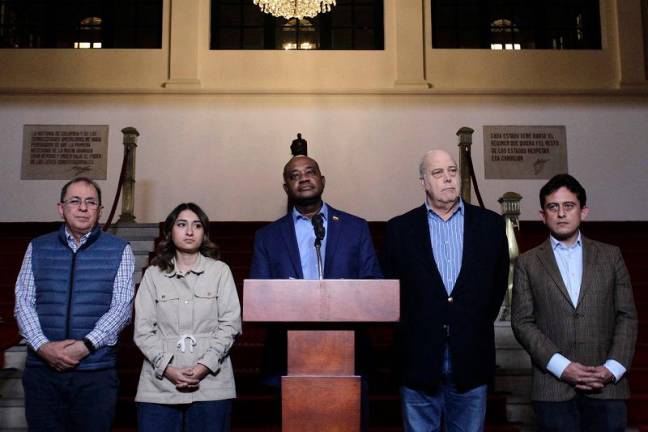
[{"x": 450, "y": 299}]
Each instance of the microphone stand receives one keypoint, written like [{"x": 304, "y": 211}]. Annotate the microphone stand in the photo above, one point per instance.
[
  {"x": 318, "y": 245},
  {"x": 320, "y": 232}
]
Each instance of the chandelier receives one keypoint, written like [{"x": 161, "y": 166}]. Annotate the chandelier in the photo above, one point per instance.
[{"x": 294, "y": 8}]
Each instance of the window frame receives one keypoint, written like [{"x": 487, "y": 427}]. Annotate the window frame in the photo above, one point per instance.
[
  {"x": 323, "y": 22},
  {"x": 57, "y": 30},
  {"x": 535, "y": 26}
]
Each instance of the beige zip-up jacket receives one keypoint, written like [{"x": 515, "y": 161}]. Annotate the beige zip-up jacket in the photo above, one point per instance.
[{"x": 184, "y": 319}]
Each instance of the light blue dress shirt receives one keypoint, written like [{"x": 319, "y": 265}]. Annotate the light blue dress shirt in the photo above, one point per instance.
[
  {"x": 447, "y": 238},
  {"x": 306, "y": 242},
  {"x": 570, "y": 264},
  {"x": 447, "y": 243}
]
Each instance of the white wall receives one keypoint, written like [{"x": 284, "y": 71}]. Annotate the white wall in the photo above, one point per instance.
[
  {"x": 226, "y": 152},
  {"x": 216, "y": 125}
]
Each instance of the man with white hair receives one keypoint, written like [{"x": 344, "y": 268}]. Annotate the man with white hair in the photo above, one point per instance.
[{"x": 452, "y": 262}]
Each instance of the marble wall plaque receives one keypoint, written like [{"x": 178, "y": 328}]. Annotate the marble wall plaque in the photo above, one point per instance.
[
  {"x": 61, "y": 152},
  {"x": 524, "y": 152}
]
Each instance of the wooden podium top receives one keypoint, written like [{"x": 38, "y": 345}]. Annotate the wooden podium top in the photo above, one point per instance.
[{"x": 328, "y": 300}]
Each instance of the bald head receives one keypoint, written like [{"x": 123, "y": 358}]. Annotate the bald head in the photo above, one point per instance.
[
  {"x": 304, "y": 183},
  {"x": 440, "y": 179},
  {"x": 432, "y": 156},
  {"x": 298, "y": 160}
]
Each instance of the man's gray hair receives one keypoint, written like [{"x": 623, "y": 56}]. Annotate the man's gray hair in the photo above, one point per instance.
[
  {"x": 422, "y": 163},
  {"x": 422, "y": 167}
]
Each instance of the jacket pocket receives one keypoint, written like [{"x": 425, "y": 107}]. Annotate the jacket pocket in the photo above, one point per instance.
[
  {"x": 167, "y": 301},
  {"x": 205, "y": 303}
]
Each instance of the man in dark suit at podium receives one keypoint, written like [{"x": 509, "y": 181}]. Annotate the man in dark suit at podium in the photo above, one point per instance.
[
  {"x": 452, "y": 262},
  {"x": 285, "y": 250}
]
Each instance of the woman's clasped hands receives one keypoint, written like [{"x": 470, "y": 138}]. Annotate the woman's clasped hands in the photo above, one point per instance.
[{"x": 186, "y": 379}]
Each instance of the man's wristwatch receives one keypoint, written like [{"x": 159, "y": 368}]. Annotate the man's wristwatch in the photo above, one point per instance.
[{"x": 89, "y": 345}]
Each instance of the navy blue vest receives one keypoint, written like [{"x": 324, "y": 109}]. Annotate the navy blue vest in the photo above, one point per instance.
[{"x": 73, "y": 290}]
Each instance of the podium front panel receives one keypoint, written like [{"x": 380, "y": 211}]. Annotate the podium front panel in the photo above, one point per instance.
[
  {"x": 318, "y": 404},
  {"x": 329, "y": 300},
  {"x": 321, "y": 353}
]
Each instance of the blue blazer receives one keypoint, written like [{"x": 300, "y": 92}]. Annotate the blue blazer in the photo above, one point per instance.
[
  {"x": 349, "y": 255},
  {"x": 349, "y": 250}
]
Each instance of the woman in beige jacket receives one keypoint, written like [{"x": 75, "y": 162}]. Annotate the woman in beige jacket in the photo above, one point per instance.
[{"x": 187, "y": 316}]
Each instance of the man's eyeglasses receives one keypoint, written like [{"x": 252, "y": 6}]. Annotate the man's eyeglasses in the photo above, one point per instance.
[
  {"x": 90, "y": 203},
  {"x": 566, "y": 206}
]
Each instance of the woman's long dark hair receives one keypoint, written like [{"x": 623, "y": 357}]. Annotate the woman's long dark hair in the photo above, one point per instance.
[{"x": 166, "y": 250}]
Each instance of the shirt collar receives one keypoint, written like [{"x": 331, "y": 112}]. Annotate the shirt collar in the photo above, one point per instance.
[
  {"x": 557, "y": 244},
  {"x": 197, "y": 268},
  {"x": 70, "y": 238},
  {"x": 297, "y": 216},
  {"x": 459, "y": 209}
]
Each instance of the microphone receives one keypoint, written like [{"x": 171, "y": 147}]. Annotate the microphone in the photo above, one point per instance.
[
  {"x": 318, "y": 227},
  {"x": 320, "y": 232}
]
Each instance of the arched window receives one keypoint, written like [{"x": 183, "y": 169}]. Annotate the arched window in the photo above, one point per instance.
[
  {"x": 89, "y": 33},
  {"x": 504, "y": 34}
]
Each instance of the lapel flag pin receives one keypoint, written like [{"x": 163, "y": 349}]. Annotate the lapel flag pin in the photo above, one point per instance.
[{"x": 335, "y": 218}]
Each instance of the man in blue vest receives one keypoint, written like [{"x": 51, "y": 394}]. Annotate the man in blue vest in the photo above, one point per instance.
[{"x": 74, "y": 295}]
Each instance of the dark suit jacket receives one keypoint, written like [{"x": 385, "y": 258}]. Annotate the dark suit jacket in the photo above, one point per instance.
[
  {"x": 429, "y": 317},
  {"x": 603, "y": 326},
  {"x": 349, "y": 255},
  {"x": 349, "y": 250}
]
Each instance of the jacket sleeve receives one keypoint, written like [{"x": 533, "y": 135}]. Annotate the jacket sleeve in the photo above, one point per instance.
[
  {"x": 145, "y": 334},
  {"x": 523, "y": 319},
  {"x": 260, "y": 267},
  {"x": 229, "y": 322},
  {"x": 388, "y": 260},
  {"x": 369, "y": 266},
  {"x": 106, "y": 330},
  {"x": 625, "y": 329},
  {"x": 25, "y": 308}
]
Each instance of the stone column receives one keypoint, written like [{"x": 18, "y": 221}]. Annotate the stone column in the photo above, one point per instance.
[
  {"x": 410, "y": 45},
  {"x": 184, "y": 42}
]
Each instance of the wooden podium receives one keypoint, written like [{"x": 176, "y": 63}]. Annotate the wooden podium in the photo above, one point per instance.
[{"x": 320, "y": 392}]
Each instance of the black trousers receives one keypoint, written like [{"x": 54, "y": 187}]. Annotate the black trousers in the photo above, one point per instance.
[
  {"x": 582, "y": 414},
  {"x": 73, "y": 401}
]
